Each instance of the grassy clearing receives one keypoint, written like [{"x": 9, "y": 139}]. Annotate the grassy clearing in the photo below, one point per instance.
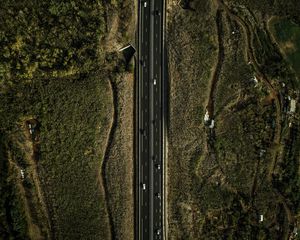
[{"x": 287, "y": 34}]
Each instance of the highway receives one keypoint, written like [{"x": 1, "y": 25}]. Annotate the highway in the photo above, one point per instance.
[{"x": 150, "y": 120}]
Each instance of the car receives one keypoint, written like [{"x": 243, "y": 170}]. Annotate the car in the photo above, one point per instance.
[
  {"x": 158, "y": 166},
  {"x": 158, "y": 232},
  {"x": 143, "y": 63},
  {"x": 144, "y": 186},
  {"x": 145, "y": 4},
  {"x": 157, "y": 12},
  {"x": 158, "y": 195},
  {"x": 154, "y": 81},
  {"x": 143, "y": 132}
]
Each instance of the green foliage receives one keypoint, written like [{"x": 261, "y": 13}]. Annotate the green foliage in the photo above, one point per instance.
[
  {"x": 12, "y": 218},
  {"x": 281, "y": 8},
  {"x": 287, "y": 181},
  {"x": 48, "y": 38},
  {"x": 231, "y": 188},
  {"x": 49, "y": 53},
  {"x": 74, "y": 118}
]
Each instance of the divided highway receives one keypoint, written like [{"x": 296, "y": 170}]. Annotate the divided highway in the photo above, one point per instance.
[{"x": 150, "y": 120}]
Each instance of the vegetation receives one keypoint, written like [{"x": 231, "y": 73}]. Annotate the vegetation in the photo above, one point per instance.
[
  {"x": 56, "y": 72},
  {"x": 12, "y": 220},
  {"x": 287, "y": 34},
  {"x": 49, "y": 38},
  {"x": 237, "y": 178}
]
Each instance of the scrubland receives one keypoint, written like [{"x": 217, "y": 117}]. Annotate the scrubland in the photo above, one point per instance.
[
  {"x": 227, "y": 173},
  {"x": 66, "y": 118}
]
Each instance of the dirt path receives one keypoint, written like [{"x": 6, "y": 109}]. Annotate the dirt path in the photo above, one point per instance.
[
  {"x": 112, "y": 130},
  {"x": 34, "y": 231},
  {"x": 210, "y": 132},
  {"x": 36, "y": 208},
  {"x": 111, "y": 45},
  {"x": 218, "y": 68}
]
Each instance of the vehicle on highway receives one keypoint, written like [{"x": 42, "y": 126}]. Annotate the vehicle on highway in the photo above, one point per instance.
[
  {"x": 158, "y": 166},
  {"x": 145, "y": 4},
  {"x": 143, "y": 63},
  {"x": 144, "y": 186},
  {"x": 143, "y": 132},
  {"x": 154, "y": 81},
  {"x": 157, "y": 12},
  {"x": 158, "y": 232},
  {"x": 158, "y": 195}
]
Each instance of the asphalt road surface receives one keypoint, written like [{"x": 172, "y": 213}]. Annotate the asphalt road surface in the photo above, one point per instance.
[{"x": 150, "y": 120}]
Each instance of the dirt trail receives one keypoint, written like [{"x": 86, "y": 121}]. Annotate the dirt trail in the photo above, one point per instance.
[
  {"x": 110, "y": 46},
  {"x": 37, "y": 212},
  {"x": 40, "y": 194},
  {"x": 210, "y": 132},
  {"x": 115, "y": 39},
  {"x": 218, "y": 68},
  {"x": 34, "y": 231},
  {"x": 112, "y": 130}
]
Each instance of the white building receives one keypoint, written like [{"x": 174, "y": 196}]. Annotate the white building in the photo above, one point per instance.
[
  {"x": 293, "y": 106},
  {"x": 255, "y": 81},
  {"x": 206, "y": 116},
  {"x": 22, "y": 173},
  {"x": 261, "y": 218}
]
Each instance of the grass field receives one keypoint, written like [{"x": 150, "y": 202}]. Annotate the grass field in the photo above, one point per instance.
[{"x": 287, "y": 34}]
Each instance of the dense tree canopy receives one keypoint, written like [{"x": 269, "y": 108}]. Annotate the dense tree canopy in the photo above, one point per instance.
[{"x": 48, "y": 37}]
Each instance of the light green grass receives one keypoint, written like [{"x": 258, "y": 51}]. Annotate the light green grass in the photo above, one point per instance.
[{"x": 287, "y": 35}]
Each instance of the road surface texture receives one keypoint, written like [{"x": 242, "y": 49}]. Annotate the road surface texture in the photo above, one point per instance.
[{"x": 150, "y": 123}]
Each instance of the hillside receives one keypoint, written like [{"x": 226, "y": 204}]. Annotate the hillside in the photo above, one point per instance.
[{"x": 233, "y": 157}]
